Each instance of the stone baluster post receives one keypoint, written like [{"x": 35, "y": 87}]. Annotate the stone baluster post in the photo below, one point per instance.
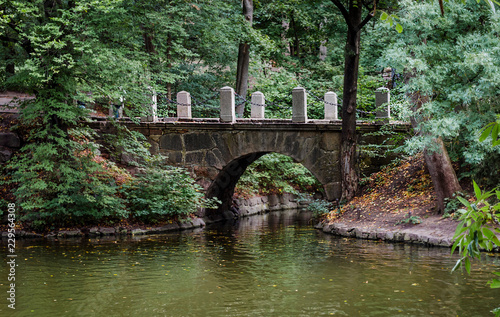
[
  {"x": 331, "y": 108},
  {"x": 116, "y": 111},
  {"x": 183, "y": 105},
  {"x": 153, "y": 110},
  {"x": 257, "y": 112},
  {"x": 112, "y": 110},
  {"x": 299, "y": 105},
  {"x": 154, "y": 107},
  {"x": 122, "y": 105},
  {"x": 383, "y": 96},
  {"x": 227, "y": 105}
]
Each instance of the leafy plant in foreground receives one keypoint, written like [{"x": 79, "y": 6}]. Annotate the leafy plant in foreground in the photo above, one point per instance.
[{"x": 475, "y": 231}]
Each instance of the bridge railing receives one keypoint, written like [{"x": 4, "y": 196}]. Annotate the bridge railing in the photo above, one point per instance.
[{"x": 258, "y": 103}]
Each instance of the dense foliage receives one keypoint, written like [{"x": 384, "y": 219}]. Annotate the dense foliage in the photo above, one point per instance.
[
  {"x": 451, "y": 64},
  {"x": 275, "y": 174},
  {"x": 97, "y": 52}
]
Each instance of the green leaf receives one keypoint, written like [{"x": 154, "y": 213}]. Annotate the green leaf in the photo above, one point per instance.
[
  {"x": 467, "y": 265},
  {"x": 464, "y": 202},
  {"x": 399, "y": 28},
  {"x": 457, "y": 265},
  {"x": 455, "y": 245},
  {"x": 477, "y": 190},
  {"x": 384, "y": 16},
  {"x": 491, "y": 236},
  {"x": 494, "y": 132},
  {"x": 459, "y": 230},
  {"x": 486, "y": 132},
  {"x": 495, "y": 283}
]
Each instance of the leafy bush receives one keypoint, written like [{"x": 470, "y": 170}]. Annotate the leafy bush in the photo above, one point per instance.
[
  {"x": 60, "y": 180},
  {"x": 157, "y": 190},
  {"x": 276, "y": 173},
  {"x": 70, "y": 183},
  {"x": 161, "y": 190},
  {"x": 319, "y": 207}
]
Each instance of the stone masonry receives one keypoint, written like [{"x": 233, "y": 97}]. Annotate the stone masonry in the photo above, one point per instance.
[{"x": 217, "y": 153}]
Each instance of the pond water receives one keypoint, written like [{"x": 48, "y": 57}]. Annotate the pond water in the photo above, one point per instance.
[{"x": 270, "y": 265}]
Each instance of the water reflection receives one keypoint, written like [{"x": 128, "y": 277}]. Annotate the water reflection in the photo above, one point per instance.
[{"x": 270, "y": 265}]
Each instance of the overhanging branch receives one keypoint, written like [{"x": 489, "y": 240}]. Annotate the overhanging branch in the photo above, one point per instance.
[{"x": 344, "y": 12}]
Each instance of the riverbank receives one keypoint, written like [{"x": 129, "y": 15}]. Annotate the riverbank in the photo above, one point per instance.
[
  {"x": 432, "y": 231},
  {"x": 243, "y": 207},
  {"x": 395, "y": 204}
]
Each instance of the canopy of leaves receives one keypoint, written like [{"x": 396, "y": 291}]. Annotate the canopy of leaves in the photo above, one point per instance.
[{"x": 452, "y": 64}]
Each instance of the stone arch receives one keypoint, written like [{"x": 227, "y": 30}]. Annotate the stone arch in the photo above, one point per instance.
[
  {"x": 223, "y": 185},
  {"x": 217, "y": 158}
]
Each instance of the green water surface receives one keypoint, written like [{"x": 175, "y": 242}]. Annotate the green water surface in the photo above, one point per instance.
[{"x": 270, "y": 265}]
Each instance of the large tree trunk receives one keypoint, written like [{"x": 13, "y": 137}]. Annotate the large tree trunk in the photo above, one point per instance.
[
  {"x": 348, "y": 159},
  {"x": 169, "y": 64},
  {"x": 295, "y": 45},
  {"x": 443, "y": 176},
  {"x": 243, "y": 59}
]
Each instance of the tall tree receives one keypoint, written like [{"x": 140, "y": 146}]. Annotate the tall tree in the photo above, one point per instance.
[
  {"x": 244, "y": 58},
  {"x": 355, "y": 19}
]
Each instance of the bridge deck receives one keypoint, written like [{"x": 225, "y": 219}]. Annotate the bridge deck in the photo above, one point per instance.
[{"x": 255, "y": 124}]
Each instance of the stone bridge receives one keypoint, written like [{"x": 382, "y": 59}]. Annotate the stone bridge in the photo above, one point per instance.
[{"x": 217, "y": 153}]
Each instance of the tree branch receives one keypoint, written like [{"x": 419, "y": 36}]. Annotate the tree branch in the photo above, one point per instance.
[
  {"x": 344, "y": 12},
  {"x": 366, "y": 20}
]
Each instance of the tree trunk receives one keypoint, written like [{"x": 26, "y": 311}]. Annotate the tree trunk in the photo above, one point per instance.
[
  {"x": 169, "y": 64},
  {"x": 348, "y": 159},
  {"x": 242, "y": 75},
  {"x": 348, "y": 151},
  {"x": 243, "y": 59},
  {"x": 295, "y": 45},
  {"x": 443, "y": 176},
  {"x": 148, "y": 41}
]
